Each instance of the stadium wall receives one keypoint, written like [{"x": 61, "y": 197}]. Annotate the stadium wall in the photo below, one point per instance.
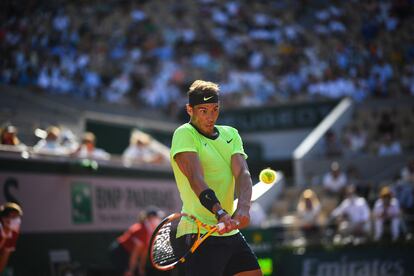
[{"x": 78, "y": 207}]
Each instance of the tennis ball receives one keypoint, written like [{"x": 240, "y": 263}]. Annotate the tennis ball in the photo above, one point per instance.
[{"x": 267, "y": 176}]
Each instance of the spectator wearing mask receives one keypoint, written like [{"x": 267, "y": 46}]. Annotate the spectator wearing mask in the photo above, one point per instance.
[
  {"x": 335, "y": 180},
  {"x": 387, "y": 212},
  {"x": 352, "y": 215},
  {"x": 69, "y": 140},
  {"x": 144, "y": 149},
  {"x": 10, "y": 219},
  {"x": 51, "y": 143},
  {"x": 88, "y": 149}
]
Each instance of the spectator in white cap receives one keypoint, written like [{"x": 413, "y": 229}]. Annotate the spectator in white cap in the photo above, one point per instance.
[{"x": 335, "y": 180}]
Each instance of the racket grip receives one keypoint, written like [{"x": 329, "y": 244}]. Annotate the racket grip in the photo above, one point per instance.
[{"x": 220, "y": 226}]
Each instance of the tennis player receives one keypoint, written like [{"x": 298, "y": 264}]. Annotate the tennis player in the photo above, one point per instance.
[{"x": 209, "y": 166}]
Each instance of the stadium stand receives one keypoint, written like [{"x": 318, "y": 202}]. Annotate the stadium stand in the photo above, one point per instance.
[{"x": 261, "y": 53}]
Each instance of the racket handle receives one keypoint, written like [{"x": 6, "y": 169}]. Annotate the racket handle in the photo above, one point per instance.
[{"x": 221, "y": 225}]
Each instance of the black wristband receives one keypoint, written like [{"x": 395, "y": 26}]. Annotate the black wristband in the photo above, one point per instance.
[{"x": 208, "y": 198}]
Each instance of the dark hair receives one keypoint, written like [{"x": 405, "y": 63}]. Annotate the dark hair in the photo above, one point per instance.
[{"x": 201, "y": 87}]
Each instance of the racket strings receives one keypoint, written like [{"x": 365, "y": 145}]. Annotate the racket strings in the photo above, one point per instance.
[
  {"x": 163, "y": 252},
  {"x": 173, "y": 241}
]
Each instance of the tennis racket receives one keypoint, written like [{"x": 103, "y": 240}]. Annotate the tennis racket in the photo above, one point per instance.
[{"x": 166, "y": 250}]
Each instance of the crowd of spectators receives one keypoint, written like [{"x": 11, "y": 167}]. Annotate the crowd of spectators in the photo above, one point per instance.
[
  {"x": 380, "y": 131},
  {"x": 60, "y": 141},
  {"x": 360, "y": 211},
  {"x": 144, "y": 53}
]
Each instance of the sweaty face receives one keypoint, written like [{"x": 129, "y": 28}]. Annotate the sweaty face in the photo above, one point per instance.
[{"x": 204, "y": 116}]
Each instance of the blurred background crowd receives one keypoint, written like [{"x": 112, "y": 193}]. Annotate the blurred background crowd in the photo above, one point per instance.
[
  {"x": 55, "y": 141},
  {"x": 344, "y": 208},
  {"x": 264, "y": 52}
]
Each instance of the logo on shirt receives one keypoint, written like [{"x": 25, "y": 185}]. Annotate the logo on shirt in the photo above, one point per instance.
[
  {"x": 208, "y": 98},
  {"x": 228, "y": 142}
]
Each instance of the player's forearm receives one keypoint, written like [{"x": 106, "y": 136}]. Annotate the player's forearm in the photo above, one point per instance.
[
  {"x": 197, "y": 184},
  {"x": 190, "y": 166},
  {"x": 244, "y": 189}
]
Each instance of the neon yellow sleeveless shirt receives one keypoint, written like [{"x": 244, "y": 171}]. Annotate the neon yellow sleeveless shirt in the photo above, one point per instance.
[{"x": 215, "y": 157}]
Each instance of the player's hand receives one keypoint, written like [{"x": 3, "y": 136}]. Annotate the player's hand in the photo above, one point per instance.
[
  {"x": 242, "y": 215},
  {"x": 229, "y": 224}
]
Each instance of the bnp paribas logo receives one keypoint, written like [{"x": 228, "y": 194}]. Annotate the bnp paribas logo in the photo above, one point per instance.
[{"x": 81, "y": 194}]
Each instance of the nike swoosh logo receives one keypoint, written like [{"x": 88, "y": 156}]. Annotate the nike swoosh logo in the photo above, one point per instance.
[
  {"x": 228, "y": 142},
  {"x": 208, "y": 98}
]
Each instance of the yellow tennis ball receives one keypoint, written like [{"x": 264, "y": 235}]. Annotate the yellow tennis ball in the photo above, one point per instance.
[{"x": 267, "y": 176}]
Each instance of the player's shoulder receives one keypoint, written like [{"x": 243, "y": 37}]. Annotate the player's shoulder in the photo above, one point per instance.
[
  {"x": 184, "y": 129},
  {"x": 227, "y": 129}
]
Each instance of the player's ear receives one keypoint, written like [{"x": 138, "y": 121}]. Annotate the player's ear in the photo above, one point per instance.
[{"x": 189, "y": 109}]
